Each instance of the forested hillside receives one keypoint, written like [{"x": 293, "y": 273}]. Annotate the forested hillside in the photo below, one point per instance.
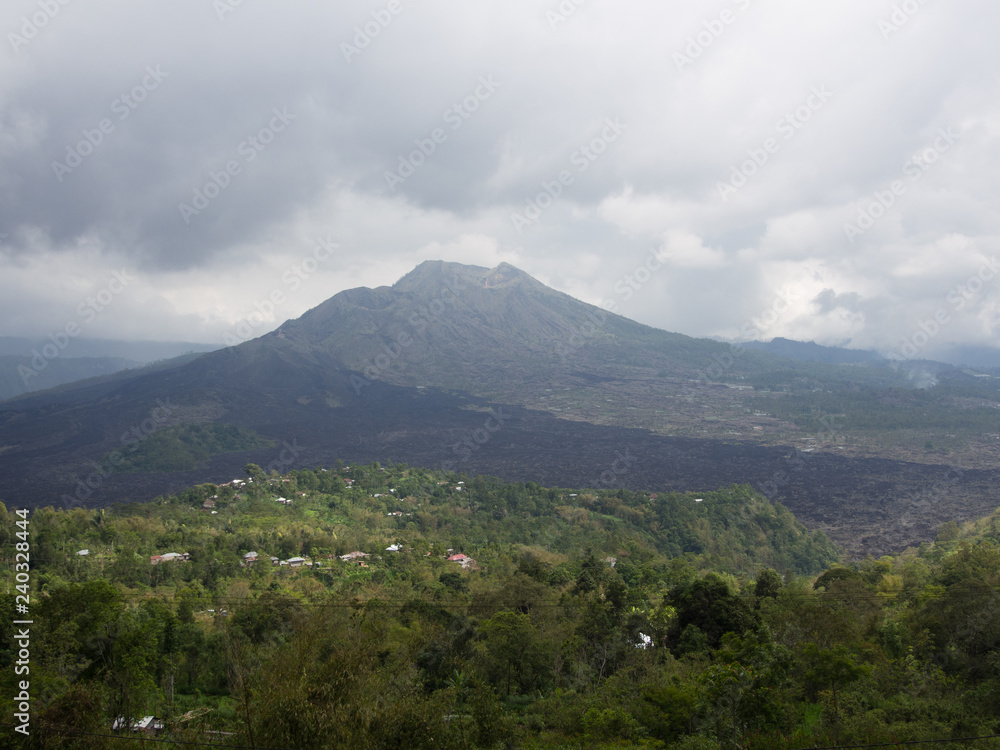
[{"x": 384, "y": 606}]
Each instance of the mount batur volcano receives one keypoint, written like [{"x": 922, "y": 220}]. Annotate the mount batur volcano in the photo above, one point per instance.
[{"x": 478, "y": 371}]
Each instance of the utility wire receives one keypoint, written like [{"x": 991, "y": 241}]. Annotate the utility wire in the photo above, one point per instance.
[
  {"x": 908, "y": 742},
  {"x": 258, "y": 747},
  {"x": 79, "y": 732}
]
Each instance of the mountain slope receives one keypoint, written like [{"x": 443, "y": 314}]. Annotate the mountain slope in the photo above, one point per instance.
[
  {"x": 22, "y": 374},
  {"x": 28, "y": 365},
  {"x": 486, "y": 331},
  {"x": 487, "y": 370}
]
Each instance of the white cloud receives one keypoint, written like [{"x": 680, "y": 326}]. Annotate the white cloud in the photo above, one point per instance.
[{"x": 687, "y": 250}]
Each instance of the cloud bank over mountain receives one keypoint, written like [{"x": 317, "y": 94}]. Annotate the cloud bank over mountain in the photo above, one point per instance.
[{"x": 832, "y": 161}]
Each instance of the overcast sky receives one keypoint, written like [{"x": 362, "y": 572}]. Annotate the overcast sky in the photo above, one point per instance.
[{"x": 212, "y": 153}]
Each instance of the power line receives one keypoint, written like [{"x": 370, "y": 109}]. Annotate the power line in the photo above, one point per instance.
[
  {"x": 821, "y": 599},
  {"x": 74, "y": 732},
  {"x": 907, "y": 742},
  {"x": 80, "y": 732}
]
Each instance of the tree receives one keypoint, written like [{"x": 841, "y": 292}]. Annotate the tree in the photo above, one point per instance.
[
  {"x": 726, "y": 687},
  {"x": 453, "y": 580},
  {"x": 948, "y": 532},
  {"x": 828, "y": 578},
  {"x": 255, "y": 473},
  {"x": 767, "y": 584},
  {"x": 271, "y": 617},
  {"x": 834, "y": 668},
  {"x": 458, "y": 681},
  {"x": 592, "y": 574},
  {"x": 78, "y": 622},
  {"x": 78, "y": 710},
  {"x": 740, "y": 689},
  {"x": 511, "y": 654},
  {"x": 667, "y": 710},
  {"x": 129, "y": 661},
  {"x": 712, "y": 608}
]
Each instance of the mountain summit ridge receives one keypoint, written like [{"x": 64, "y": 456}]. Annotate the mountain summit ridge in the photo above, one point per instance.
[{"x": 430, "y": 275}]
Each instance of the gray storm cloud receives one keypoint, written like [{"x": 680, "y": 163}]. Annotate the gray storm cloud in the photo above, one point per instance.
[{"x": 205, "y": 146}]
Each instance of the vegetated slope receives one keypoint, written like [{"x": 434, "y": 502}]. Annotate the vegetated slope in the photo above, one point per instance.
[
  {"x": 582, "y": 624},
  {"x": 184, "y": 447},
  {"x": 733, "y": 529}
]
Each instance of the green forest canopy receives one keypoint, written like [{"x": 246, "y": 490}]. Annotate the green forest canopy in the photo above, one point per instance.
[{"x": 597, "y": 619}]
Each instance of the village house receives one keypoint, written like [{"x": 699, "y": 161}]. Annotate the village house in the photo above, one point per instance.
[
  {"x": 146, "y": 725},
  {"x": 356, "y": 557},
  {"x": 465, "y": 561},
  {"x": 353, "y": 556},
  {"x": 169, "y": 557}
]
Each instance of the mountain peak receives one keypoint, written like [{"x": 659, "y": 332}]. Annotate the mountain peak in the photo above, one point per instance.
[
  {"x": 433, "y": 273},
  {"x": 505, "y": 273}
]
